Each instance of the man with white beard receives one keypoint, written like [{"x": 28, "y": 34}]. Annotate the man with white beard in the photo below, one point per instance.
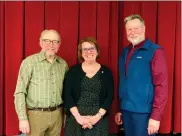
[{"x": 143, "y": 85}]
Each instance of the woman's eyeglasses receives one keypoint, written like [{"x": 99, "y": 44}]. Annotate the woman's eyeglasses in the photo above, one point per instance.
[{"x": 91, "y": 49}]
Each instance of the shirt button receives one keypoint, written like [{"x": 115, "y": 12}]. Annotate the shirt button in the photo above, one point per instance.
[
  {"x": 52, "y": 83},
  {"x": 52, "y": 74}
]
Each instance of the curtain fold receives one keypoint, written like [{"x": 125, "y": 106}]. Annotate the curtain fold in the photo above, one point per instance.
[
  {"x": 103, "y": 22},
  {"x": 69, "y": 31},
  {"x": 22, "y": 22},
  {"x": 13, "y": 56},
  {"x": 113, "y": 61},
  {"x": 177, "y": 73},
  {"x": 166, "y": 38},
  {"x": 33, "y": 24},
  {"x": 149, "y": 13},
  {"x": 87, "y": 19},
  {"x": 2, "y": 69}
]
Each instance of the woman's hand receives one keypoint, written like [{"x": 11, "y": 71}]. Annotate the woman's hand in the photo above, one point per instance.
[
  {"x": 94, "y": 119},
  {"x": 87, "y": 124},
  {"x": 81, "y": 120}
]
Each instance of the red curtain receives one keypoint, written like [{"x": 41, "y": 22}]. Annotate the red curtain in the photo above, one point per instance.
[
  {"x": 2, "y": 69},
  {"x": 22, "y": 22}
]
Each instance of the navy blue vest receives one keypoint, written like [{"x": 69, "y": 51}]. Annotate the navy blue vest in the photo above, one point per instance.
[{"x": 136, "y": 90}]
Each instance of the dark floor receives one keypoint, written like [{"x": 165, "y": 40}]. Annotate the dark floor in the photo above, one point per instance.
[{"x": 122, "y": 134}]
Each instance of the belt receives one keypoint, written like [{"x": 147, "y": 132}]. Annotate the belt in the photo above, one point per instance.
[{"x": 46, "y": 109}]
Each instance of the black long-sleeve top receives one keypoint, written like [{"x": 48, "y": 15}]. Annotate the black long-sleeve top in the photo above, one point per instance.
[{"x": 72, "y": 87}]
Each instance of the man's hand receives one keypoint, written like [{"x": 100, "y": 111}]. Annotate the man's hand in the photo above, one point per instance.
[
  {"x": 118, "y": 119},
  {"x": 153, "y": 126},
  {"x": 24, "y": 126}
]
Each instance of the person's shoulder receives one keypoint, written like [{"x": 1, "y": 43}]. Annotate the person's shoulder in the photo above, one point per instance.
[
  {"x": 106, "y": 72},
  {"x": 76, "y": 66},
  {"x": 61, "y": 60},
  {"x": 124, "y": 49},
  {"x": 31, "y": 58},
  {"x": 105, "y": 68},
  {"x": 154, "y": 45},
  {"x": 29, "y": 61},
  {"x": 157, "y": 46}
]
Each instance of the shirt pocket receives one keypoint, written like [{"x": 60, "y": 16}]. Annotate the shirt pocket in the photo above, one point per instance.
[{"x": 40, "y": 76}]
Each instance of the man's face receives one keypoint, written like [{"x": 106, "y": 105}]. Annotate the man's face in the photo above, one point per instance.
[
  {"x": 135, "y": 31},
  {"x": 50, "y": 43}
]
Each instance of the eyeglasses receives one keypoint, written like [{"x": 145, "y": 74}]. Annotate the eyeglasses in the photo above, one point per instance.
[
  {"x": 91, "y": 49},
  {"x": 48, "y": 42}
]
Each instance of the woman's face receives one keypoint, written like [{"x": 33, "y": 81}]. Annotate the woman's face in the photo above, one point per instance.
[{"x": 89, "y": 52}]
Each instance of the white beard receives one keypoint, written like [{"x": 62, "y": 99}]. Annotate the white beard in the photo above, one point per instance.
[{"x": 135, "y": 41}]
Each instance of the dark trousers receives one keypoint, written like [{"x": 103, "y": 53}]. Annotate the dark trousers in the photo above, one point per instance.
[{"x": 135, "y": 124}]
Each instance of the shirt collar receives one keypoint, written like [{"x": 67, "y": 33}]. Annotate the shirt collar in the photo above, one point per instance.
[
  {"x": 139, "y": 45},
  {"x": 42, "y": 57}
]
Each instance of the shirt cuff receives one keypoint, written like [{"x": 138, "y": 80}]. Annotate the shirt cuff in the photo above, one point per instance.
[
  {"x": 22, "y": 116},
  {"x": 155, "y": 116}
]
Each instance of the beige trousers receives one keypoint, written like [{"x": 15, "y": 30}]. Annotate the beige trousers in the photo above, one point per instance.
[{"x": 45, "y": 123}]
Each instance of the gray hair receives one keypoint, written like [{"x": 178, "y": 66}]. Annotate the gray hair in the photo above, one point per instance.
[
  {"x": 51, "y": 30},
  {"x": 132, "y": 17}
]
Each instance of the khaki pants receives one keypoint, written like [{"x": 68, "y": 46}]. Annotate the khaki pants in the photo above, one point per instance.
[{"x": 45, "y": 123}]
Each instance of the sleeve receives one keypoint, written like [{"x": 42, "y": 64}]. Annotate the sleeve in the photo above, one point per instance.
[
  {"x": 121, "y": 68},
  {"x": 68, "y": 91},
  {"x": 24, "y": 77},
  {"x": 160, "y": 81},
  {"x": 66, "y": 68},
  {"x": 109, "y": 92}
]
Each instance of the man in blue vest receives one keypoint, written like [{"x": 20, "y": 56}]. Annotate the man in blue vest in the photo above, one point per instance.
[{"x": 143, "y": 88}]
